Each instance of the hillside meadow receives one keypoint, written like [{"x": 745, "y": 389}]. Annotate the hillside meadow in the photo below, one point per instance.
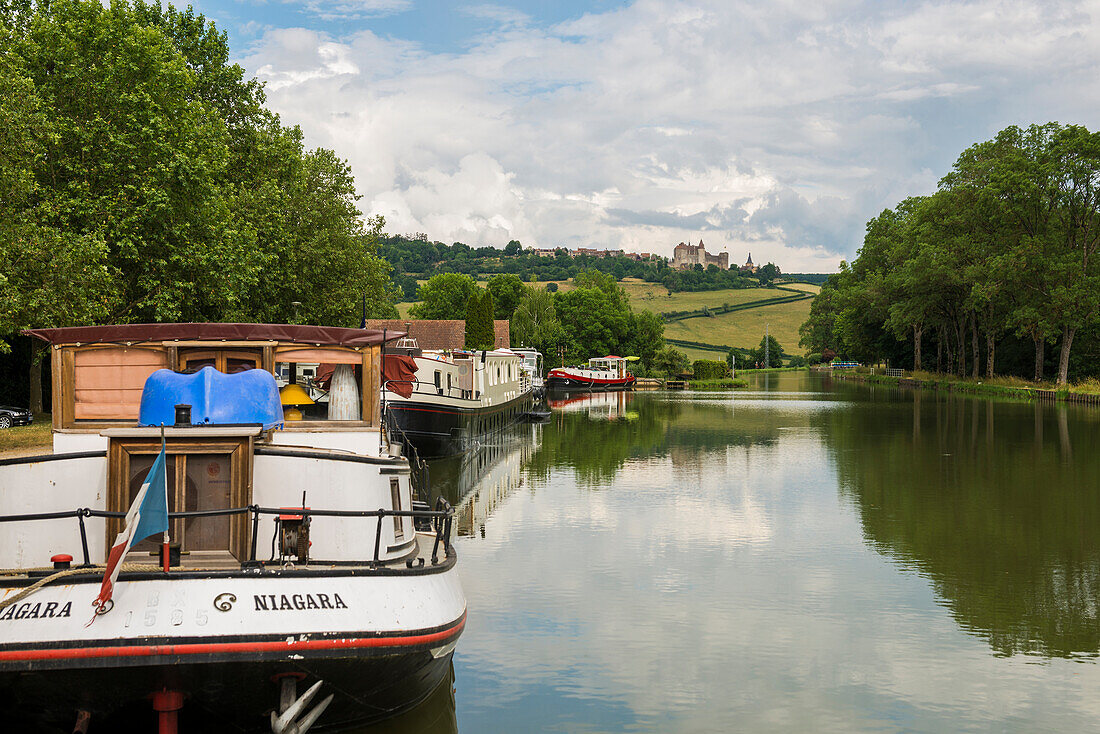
[{"x": 743, "y": 328}]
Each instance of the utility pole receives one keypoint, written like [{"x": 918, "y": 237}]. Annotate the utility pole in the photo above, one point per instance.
[{"x": 767, "y": 347}]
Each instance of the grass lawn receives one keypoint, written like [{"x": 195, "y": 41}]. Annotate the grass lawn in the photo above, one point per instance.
[
  {"x": 746, "y": 328},
  {"x": 33, "y": 439},
  {"x": 651, "y": 297}
]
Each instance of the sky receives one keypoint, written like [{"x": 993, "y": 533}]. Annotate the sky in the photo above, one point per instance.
[{"x": 776, "y": 128}]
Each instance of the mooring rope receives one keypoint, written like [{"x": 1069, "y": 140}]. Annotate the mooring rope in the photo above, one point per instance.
[{"x": 46, "y": 580}]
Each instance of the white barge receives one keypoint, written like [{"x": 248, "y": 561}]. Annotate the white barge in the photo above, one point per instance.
[
  {"x": 302, "y": 563},
  {"x": 448, "y": 402}
]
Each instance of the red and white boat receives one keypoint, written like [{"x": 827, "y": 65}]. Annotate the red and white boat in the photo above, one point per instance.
[{"x": 602, "y": 374}]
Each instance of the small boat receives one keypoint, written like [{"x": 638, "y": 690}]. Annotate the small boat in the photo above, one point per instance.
[
  {"x": 299, "y": 566},
  {"x": 448, "y": 402},
  {"x": 532, "y": 365},
  {"x": 602, "y": 374}
]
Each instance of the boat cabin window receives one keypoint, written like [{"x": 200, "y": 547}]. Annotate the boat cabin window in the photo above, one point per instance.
[
  {"x": 229, "y": 361},
  {"x": 398, "y": 522},
  {"x": 312, "y": 391}
]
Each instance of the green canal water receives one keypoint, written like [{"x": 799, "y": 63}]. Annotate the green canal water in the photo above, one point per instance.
[{"x": 802, "y": 555}]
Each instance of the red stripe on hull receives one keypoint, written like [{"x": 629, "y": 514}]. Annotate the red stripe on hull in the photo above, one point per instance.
[{"x": 206, "y": 648}]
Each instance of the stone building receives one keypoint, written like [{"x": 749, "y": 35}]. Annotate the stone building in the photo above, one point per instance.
[{"x": 686, "y": 256}]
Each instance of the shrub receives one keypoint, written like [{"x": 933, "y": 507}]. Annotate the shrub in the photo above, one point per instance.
[{"x": 710, "y": 369}]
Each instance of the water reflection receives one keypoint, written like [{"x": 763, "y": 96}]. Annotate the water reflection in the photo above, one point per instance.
[
  {"x": 986, "y": 499},
  {"x": 795, "y": 556},
  {"x": 477, "y": 481}
]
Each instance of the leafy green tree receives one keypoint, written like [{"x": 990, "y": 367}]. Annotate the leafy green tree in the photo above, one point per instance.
[
  {"x": 670, "y": 362},
  {"x": 513, "y": 248},
  {"x": 535, "y": 323},
  {"x": 444, "y": 296},
  {"x": 479, "y": 320},
  {"x": 508, "y": 291},
  {"x": 773, "y": 356}
]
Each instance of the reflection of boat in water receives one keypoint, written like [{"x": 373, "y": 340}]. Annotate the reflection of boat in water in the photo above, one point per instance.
[
  {"x": 446, "y": 402},
  {"x": 352, "y": 599},
  {"x": 475, "y": 483},
  {"x": 606, "y": 405},
  {"x": 434, "y": 715},
  {"x": 602, "y": 374}
]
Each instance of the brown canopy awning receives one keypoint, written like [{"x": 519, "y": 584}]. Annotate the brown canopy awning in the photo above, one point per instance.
[{"x": 139, "y": 333}]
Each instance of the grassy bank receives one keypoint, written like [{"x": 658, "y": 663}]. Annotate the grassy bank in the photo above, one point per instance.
[
  {"x": 723, "y": 384},
  {"x": 1087, "y": 391},
  {"x": 33, "y": 439}
]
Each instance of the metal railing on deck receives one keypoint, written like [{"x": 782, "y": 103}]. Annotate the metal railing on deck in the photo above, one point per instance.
[{"x": 440, "y": 520}]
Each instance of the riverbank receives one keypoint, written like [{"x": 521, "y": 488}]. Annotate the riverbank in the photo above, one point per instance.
[
  {"x": 723, "y": 384},
  {"x": 1087, "y": 393},
  {"x": 25, "y": 440}
]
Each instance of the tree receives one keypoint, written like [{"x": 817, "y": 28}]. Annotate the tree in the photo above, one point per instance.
[
  {"x": 768, "y": 354},
  {"x": 670, "y": 362},
  {"x": 508, "y": 291},
  {"x": 552, "y": 287},
  {"x": 768, "y": 273},
  {"x": 444, "y": 296},
  {"x": 479, "y": 320},
  {"x": 513, "y": 248}
]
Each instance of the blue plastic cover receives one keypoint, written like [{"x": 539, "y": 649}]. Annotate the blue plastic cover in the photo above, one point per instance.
[{"x": 215, "y": 398}]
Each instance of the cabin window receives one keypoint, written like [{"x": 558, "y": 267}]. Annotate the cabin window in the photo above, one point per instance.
[
  {"x": 398, "y": 522},
  {"x": 312, "y": 391},
  {"x": 229, "y": 361},
  {"x": 107, "y": 381},
  {"x": 438, "y": 382}
]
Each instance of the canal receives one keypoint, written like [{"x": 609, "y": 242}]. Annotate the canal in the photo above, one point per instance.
[{"x": 801, "y": 555}]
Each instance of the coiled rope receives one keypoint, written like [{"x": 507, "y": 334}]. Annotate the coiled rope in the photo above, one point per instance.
[{"x": 46, "y": 580}]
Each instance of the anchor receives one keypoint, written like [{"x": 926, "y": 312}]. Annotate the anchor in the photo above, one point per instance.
[{"x": 290, "y": 705}]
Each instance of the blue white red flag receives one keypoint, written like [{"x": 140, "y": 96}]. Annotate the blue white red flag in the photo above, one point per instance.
[{"x": 147, "y": 516}]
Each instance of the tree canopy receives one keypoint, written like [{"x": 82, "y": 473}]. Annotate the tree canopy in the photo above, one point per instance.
[
  {"x": 144, "y": 169},
  {"x": 1005, "y": 249}
]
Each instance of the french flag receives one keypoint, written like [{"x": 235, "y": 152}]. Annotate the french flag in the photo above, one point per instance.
[{"x": 148, "y": 515}]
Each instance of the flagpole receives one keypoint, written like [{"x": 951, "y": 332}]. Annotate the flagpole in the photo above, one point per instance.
[{"x": 165, "y": 561}]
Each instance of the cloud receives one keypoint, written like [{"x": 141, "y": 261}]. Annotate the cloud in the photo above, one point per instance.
[
  {"x": 781, "y": 126},
  {"x": 352, "y": 9}
]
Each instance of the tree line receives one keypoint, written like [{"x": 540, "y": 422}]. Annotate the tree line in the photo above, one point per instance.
[
  {"x": 592, "y": 319},
  {"x": 414, "y": 257},
  {"x": 1003, "y": 253},
  {"x": 143, "y": 179}
]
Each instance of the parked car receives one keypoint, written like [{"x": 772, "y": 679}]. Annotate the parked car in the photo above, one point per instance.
[{"x": 14, "y": 417}]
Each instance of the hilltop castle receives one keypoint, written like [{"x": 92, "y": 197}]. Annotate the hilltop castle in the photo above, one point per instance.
[{"x": 685, "y": 257}]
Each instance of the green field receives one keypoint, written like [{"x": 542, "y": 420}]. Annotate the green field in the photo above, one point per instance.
[{"x": 744, "y": 328}]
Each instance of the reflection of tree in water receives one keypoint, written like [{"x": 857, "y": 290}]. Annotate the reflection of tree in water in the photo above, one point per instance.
[
  {"x": 595, "y": 442},
  {"x": 991, "y": 501},
  {"x": 596, "y": 445}
]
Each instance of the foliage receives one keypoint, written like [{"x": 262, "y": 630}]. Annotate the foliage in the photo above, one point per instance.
[
  {"x": 535, "y": 323},
  {"x": 1004, "y": 250},
  {"x": 709, "y": 369},
  {"x": 507, "y": 292},
  {"x": 670, "y": 362},
  {"x": 479, "y": 320},
  {"x": 552, "y": 287},
  {"x": 768, "y": 354},
  {"x": 145, "y": 170},
  {"x": 444, "y": 296}
]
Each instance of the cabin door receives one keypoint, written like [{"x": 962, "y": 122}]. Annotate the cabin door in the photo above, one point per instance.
[{"x": 201, "y": 477}]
